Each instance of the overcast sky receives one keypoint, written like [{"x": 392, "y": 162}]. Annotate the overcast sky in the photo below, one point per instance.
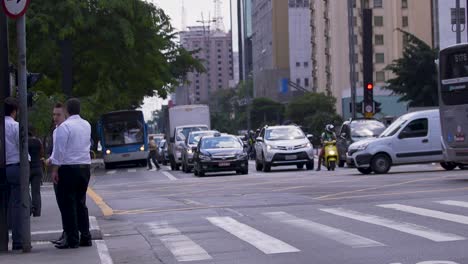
[{"x": 193, "y": 11}]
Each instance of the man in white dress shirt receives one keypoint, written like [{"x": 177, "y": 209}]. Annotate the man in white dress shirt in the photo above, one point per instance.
[
  {"x": 71, "y": 172},
  {"x": 12, "y": 152}
]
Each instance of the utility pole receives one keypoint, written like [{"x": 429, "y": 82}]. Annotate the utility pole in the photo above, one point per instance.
[
  {"x": 23, "y": 131},
  {"x": 352, "y": 62},
  {"x": 4, "y": 93},
  {"x": 458, "y": 26}
]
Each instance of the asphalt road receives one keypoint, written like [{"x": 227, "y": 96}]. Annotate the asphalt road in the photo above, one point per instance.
[{"x": 415, "y": 214}]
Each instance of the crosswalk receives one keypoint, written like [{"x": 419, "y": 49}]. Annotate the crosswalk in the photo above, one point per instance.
[{"x": 266, "y": 234}]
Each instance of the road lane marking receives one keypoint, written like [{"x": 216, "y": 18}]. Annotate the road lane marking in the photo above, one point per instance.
[
  {"x": 461, "y": 219},
  {"x": 106, "y": 209},
  {"x": 332, "y": 233},
  {"x": 454, "y": 203},
  {"x": 103, "y": 252},
  {"x": 111, "y": 172},
  {"x": 131, "y": 170},
  {"x": 262, "y": 241},
  {"x": 408, "y": 228},
  {"x": 182, "y": 247},
  {"x": 169, "y": 175}
]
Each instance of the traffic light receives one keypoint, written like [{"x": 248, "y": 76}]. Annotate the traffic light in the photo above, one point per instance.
[
  {"x": 377, "y": 107},
  {"x": 368, "y": 63}
]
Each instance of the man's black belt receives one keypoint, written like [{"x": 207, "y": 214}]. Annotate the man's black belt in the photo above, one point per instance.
[
  {"x": 77, "y": 166},
  {"x": 11, "y": 165}
]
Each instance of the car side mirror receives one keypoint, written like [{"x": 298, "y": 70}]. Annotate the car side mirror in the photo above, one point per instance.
[
  {"x": 259, "y": 139},
  {"x": 343, "y": 135}
]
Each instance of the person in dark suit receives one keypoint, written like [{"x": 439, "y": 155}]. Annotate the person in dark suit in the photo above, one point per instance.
[{"x": 36, "y": 151}]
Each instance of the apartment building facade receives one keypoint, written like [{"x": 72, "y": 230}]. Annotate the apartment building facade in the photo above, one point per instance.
[
  {"x": 215, "y": 51},
  {"x": 330, "y": 43}
]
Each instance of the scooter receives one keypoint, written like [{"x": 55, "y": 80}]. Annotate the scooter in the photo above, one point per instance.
[{"x": 330, "y": 157}]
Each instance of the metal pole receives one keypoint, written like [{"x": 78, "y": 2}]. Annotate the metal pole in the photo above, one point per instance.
[
  {"x": 466, "y": 20},
  {"x": 352, "y": 62},
  {"x": 457, "y": 7},
  {"x": 23, "y": 131},
  {"x": 4, "y": 92}
]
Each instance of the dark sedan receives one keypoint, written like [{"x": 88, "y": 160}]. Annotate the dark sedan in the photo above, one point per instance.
[{"x": 220, "y": 153}]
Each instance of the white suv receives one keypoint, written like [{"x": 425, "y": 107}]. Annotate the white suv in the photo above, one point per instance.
[{"x": 282, "y": 146}]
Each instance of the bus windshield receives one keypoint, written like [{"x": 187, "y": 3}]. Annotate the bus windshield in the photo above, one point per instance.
[
  {"x": 123, "y": 129},
  {"x": 454, "y": 77}
]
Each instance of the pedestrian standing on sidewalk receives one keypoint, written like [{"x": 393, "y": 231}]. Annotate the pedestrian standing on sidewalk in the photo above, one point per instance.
[
  {"x": 58, "y": 116},
  {"x": 152, "y": 154},
  {"x": 36, "y": 151},
  {"x": 71, "y": 172},
  {"x": 13, "y": 186}
]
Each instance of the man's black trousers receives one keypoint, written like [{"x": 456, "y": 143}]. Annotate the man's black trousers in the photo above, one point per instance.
[{"x": 71, "y": 190}]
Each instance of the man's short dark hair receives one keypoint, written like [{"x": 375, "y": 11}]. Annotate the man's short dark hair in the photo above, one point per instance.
[
  {"x": 11, "y": 105},
  {"x": 73, "y": 106},
  {"x": 58, "y": 105}
]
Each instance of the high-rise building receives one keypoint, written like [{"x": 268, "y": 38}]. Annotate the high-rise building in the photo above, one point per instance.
[
  {"x": 244, "y": 23},
  {"x": 270, "y": 47},
  {"x": 330, "y": 44},
  {"x": 215, "y": 51}
]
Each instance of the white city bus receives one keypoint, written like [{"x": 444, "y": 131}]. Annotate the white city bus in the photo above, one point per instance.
[{"x": 453, "y": 101}]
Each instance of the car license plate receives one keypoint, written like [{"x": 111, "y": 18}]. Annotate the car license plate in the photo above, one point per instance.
[
  {"x": 290, "y": 157},
  {"x": 224, "y": 164},
  {"x": 125, "y": 155}
]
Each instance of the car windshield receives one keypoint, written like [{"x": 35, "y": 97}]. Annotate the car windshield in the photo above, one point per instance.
[
  {"x": 220, "y": 142},
  {"x": 393, "y": 128},
  {"x": 284, "y": 133},
  {"x": 186, "y": 130},
  {"x": 366, "y": 128},
  {"x": 194, "y": 138}
]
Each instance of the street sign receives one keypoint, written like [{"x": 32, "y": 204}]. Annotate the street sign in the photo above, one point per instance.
[
  {"x": 369, "y": 108},
  {"x": 15, "y": 8}
]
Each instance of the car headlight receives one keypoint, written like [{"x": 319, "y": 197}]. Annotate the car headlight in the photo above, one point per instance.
[
  {"x": 362, "y": 146},
  {"x": 189, "y": 151},
  {"x": 142, "y": 148},
  {"x": 108, "y": 152},
  {"x": 204, "y": 157},
  {"x": 306, "y": 145},
  {"x": 242, "y": 156},
  {"x": 270, "y": 147}
]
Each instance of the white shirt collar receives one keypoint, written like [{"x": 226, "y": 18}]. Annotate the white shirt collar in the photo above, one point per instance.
[
  {"x": 9, "y": 118},
  {"x": 73, "y": 117}
]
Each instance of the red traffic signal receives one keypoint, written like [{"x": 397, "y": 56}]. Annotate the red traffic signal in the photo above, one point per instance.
[{"x": 370, "y": 86}]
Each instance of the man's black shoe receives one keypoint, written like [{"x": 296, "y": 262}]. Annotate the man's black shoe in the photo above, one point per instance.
[
  {"x": 65, "y": 245},
  {"x": 86, "y": 243},
  {"x": 60, "y": 240},
  {"x": 17, "y": 247}
]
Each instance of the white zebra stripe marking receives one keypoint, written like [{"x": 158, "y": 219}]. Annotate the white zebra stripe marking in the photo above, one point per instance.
[
  {"x": 461, "y": 219},
  {"x": 169, "y": 175},
  {"x": 131, "y": 170},
  {"x": 262, "y": 241},
  {"x": 332, "y": 233},
  {"x": 103, "y": 252},
  {"x": 111, "y": 172},
  {"x": 182, "y": 247},
  {"x": 454, "y": 203},
  {"x": 408, "y": 228}
]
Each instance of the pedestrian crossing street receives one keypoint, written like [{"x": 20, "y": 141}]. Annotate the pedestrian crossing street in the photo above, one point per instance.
[{"x": 267, "y": 232}]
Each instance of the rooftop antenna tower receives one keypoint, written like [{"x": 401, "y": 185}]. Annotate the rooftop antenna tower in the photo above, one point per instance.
[
  {"x": 218, "y": 17},
  {"x": 183, "y": 24}
]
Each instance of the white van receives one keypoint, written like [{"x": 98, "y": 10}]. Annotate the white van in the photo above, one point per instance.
[{"x": 412, "y": 138}]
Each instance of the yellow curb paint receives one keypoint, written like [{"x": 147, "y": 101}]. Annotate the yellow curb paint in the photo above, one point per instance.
[{"x": 106, "y": 209}]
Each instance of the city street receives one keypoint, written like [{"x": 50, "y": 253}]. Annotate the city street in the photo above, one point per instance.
[{"x": 414, "y": 214}]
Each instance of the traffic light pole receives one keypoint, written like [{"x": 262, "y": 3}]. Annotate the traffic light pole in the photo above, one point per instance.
[
  {"x": 4, "y": 93},
  {"x": 352, "y": 62},
  {"x": 23, "y": 131}
]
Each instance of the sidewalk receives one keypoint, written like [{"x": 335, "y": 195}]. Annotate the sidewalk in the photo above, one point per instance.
[{"x": 48, "y": 227}]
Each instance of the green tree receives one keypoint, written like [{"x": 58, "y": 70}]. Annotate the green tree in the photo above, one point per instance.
[
  {"x": 416, "y": 73},
  {"x": 123, "y": 50},
  {"x": 222, "y": 109},
  {"x": 265, "y": 111}
]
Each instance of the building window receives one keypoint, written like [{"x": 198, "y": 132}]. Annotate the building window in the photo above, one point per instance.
[
  {"x": 405, "y": 40},
  {"x": 355, "y": 39},
  {"x": 379, "y": 58},
  {"x": 379, "y": 39},
  {"x": 219, "y": 62},
  {"x": 306, "y": 82},
  {"x": 220, "y": 69},
  {"x": 380, "y": 76},
  {"x": 219, "y": 50},
  {"x": 219, "y": 56},
  {"x": 220, "y": 81},
  {"x": 197, "y": 87},
  {"x": 355, "y": 21},
  {"x": 220, "y": 87},
  {"x": 404, "y": 3},
  {"x": 404, "y": 22},
  {"x": 298, "y": 81},
  {"x": 306, "y": 64},
  {"x": 378, "y": 3},
  {"x": 356, "y": 77},
  {"x": 298, "y": 64},
  {"x": 197, "y": 81},
  {"x": 356, "y": 57},
  {"x": 378, "y": 21}
]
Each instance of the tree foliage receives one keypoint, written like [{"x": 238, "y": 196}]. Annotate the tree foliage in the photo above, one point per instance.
[
  {"x": 416, "y": 73},
  {"x": 265, "y": 111},
  {"x": 123, "y": 50}
]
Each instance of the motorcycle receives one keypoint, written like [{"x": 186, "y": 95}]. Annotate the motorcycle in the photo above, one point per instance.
[{"x": 331, "y": 155}]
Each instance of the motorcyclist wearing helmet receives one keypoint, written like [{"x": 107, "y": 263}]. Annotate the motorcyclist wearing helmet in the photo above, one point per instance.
[{"x": 328, "y": 135}]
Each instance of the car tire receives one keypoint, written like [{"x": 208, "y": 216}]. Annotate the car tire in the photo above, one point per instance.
[
  {"x": 448, "y": 165},
  {"x": 245, "y": 171},
  {"x": 201, "y": 173},
  {"x": 258, "y": 165},
  {"x": 310, "y": 165},
  {"x": 341, "y": 163},
  {"x": 381, "y": 164},
  {"x": 365, "y": 170},
  {"x": 266, "y": 166},
  {"x": 109, "y": 166},
  {"x": 332, "y": 165},
  {"x": 463, "y": 167},
  {"x": 300, "y": 166}
]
